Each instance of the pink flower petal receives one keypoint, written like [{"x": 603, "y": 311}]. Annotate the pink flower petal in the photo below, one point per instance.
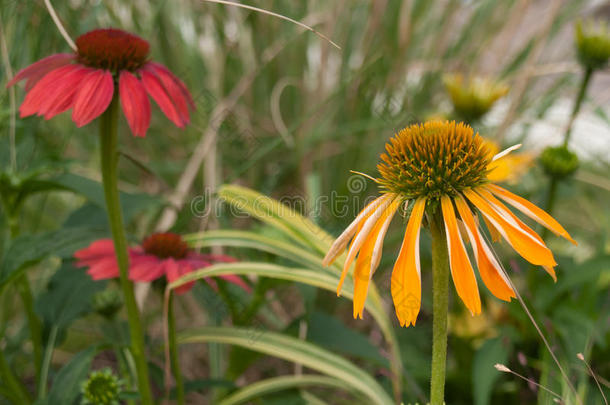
[
  {"x": 93, "y": 97},
  {"x": 176, "y": 269},
  {"x": 61, "y": 97},
  {"x": 146, "y": 268},
  {"x": 99, "y": 249},
  {"x": 37, "y": 70},
  {"x": 135, "y": 103},
  {"x": 172, "y": 88},
  {"x": 185, "y": 92},
  {"x": 104, "y": 269},
  {"x": 38, "y": 95},
  {"x": 155, "y": 88}
]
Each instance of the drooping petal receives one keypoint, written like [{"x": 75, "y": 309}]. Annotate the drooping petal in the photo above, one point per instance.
[
  {"x": 157, "y": 91},
  {"x": 135, "y": 103},
  {"x": 488, "y": 266},
  {"x": 531, "y": 211},
  {"x": 145, "y": 268},
  {"x": 61, "y": 97},
  {"x": 503, "y": 210},
  {"x": 176, "y": 269},
  {"x": 97, "y": 250},
  {"x": 93, "y": 97},
  {"x": 341, "y": 242},
  {"x": 365, "y": 265},
  {"x": 36, "y": 97},
  {"x": 174, "y": 89},
  {"x": 362, "y": 236},
  {"x": 461, "y": 270},
  {"x": 406, "y": 274},
  {"x": 495, "y": 234},
  {"x": 37, "y": 70},
  {"x": 525, "y": 244},
  {"x": 181, "y": 85},
  {"x": 104, "y": 269}
]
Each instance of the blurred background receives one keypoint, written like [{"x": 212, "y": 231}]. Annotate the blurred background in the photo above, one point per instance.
[{"x": 284, "y": 112}]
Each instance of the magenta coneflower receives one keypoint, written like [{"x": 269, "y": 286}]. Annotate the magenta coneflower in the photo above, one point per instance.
[
  {"x": 85, "y": 81},
  {"x": 161, "y": 254}
]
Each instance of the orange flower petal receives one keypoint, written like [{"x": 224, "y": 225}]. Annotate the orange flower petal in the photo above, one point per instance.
[
  {"x": 496, "y": 236},
  {"x": 365, "y": 265},
  {"x": 525, "y": 244},
  {"x": 370, "y": 219},
  {"x": 531, "y": 211},
  {"x": 461, "y": 270},
  {"x": 489, "y": 268},
  {"x": 341, "y": 242},
  {"x": 406, "y": 275}
]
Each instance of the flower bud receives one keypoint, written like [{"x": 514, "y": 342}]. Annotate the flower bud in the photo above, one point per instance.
[
  {"x": 472, "y": 98},
  {"x": 107, "y": 302},
  {"x": 559, "y": 162},
  {"x": 593, "y": 44},
  {"x": 101, "y": 388}
]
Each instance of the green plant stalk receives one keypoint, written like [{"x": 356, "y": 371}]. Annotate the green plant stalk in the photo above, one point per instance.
[
  {"x": 440, "y": 303},
  {"x": 173, "y": 352},
  {"x": 109, "y": 161},
  {"x": 18, "y": 391},
  {"x": 584, "y": 84},
  {"x": 46, "y": 363},
  {"x": 23, "y": 287},
  {"x": 554, "y": 182}
]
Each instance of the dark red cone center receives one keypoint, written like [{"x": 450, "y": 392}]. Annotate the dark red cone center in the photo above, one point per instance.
[
  {"x": 165, "y": 245},
  {"x": 111, "y": 49}
]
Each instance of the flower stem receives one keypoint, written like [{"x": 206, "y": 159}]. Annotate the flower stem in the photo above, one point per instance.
[
  {"x": 584, "y": 83},
  {"x": 554, "y": 182},
  {"x": 13, "y": 385},
  {"x": 440, "y": 303},
  {"x": 46, "y": 362},
  {"x": 109, "y": 160},
  {"x": 173, "y": 352}
]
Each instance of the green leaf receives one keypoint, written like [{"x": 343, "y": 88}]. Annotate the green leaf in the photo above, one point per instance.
[
  {"x": 305, "y": 276},
  {"x": 68, "y": 296},
  {"x": 27, "y": 250},
  {"x": 297, "y": 351},
  {"x": 271, "y": 385},
  {"x": 329, "y": 332},
  {"x": 67, "y": 383},
  {"x": 484, "y": 375}
]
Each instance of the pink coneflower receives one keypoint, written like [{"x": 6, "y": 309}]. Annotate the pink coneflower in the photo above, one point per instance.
[
  {"x": 85, "y": 81},
  {"x": 161, "y": 254}
]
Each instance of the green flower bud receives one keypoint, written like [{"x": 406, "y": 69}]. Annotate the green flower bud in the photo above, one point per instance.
[
  {"x": 107, "y": 302},
  {"x": 102, "y": 388},
  {"x": 593, "y": 44},
  {"x": 474, "y": 97},
  {"x": 559, "y": 162}
]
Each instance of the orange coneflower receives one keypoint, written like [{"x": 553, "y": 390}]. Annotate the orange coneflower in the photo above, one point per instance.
[{"x": 438, "y": 172}]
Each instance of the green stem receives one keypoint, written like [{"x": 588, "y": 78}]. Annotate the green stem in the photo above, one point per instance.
[
  {"x": 554, "y": 182},
  {"x": 173, "y": 352},
  {"x": 586, "y": 78},
  {"x": 109, "y": 160},
  {"x": 23, "y": 285},
  {"x": 17, "y": 390},
  {"x": 46, "y": 363},
  {"x": 440, "y": 304}
]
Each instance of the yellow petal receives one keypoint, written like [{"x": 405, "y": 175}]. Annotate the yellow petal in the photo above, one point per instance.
[
  {"x": 461, "y": 270},
  {"x": 406, "y": 275},
  {"x": 489, "y": 268},
  {"x": 365, "y": 265},
  {"x": 525, "y": 244},
  {"x": 531, "y": 211}
]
